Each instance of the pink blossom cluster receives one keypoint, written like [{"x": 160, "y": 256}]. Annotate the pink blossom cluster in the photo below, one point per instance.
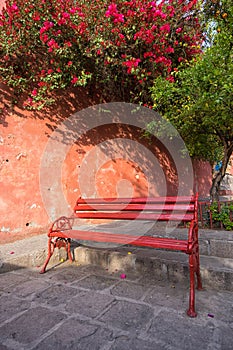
[
  {"x": 47, "y": 25},
  {"x": 52, "y": 44},
  {"x": 137, "y": 39},
  {"x": 112, "y": 11},
  {"x": 131, "y": 64},
  {"x": 14, "y": 8}
]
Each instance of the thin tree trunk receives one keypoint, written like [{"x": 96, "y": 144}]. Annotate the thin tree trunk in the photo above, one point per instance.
[
  {"x": 216, "y": 182},
  {"x": 217, "y": 179}
]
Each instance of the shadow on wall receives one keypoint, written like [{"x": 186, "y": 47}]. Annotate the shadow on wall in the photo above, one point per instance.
[
  {"x": 66, "y": 103},
  {"x": 117, "y": 161}
]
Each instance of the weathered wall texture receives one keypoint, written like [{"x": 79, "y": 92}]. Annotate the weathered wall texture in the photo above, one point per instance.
[
  {"x": 203, "y": 177},
  {"x": 23, "y": 138}
]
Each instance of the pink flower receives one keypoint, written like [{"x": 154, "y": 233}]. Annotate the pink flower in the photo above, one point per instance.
[
  {"x": 163, "y": 60},
  {"x": 133, "y": 63},
  {"x": 73, "y": 10},
  {"x": 119, "y": 18},
  {"x": 14, "y": 7},
  {"x": 51, "y": 42},
  {"x": 148, "y": 54},
  {"x": 30, "y": 101},
  {"x": 165, "y": 28},
  {"x": 42, "y": 30},
  {"x": 36, "y": 17},
  {"x": 112, "y": 9},
  {"x": 68, "y": 44},
  {"x": 65, "y": 15},
  {"x": 74, "y": 80},
  {"x": 34, "y": 92},
  {"x": 171, "y": 79},
  {"x": 52, "y": 45},
  {"x": 47, "y": 25},
  {"x": 61, "y": 21},
  {"x": 178, "y": 30},
  {"x": 69, "y": 63},
  {"x": 169, "y": 50},
  {"x": 159, "y": 13},
  {"x": 172, "y": 10}
]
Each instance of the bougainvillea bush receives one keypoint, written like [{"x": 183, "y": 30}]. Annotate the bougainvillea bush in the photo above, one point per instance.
[{"x": 117, "y": 46}]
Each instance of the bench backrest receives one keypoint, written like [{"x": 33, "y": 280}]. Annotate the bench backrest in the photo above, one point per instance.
[{"x": 183, "y": 208}]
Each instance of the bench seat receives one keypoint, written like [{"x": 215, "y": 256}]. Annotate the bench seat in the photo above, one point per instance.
[{"x": 141, "y": 241}]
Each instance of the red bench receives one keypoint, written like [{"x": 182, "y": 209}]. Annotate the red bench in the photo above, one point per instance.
[{"x": 167, "y": 209}]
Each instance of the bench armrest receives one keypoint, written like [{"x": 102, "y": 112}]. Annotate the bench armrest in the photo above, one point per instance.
[{"x": 62, "y": 224}]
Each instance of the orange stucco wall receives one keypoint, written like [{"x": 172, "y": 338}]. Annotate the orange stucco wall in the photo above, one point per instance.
[
  {"x": 23, "y": 138},
  {"x": 203, "y": 177}
]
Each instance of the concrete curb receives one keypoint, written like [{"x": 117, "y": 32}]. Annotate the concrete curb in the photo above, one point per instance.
[
  {"x": 217, "y": 272},
  {"x": 29, "y": 252}
]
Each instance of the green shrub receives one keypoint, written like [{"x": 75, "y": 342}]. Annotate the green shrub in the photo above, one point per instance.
[{"x": 222, "y": 214}]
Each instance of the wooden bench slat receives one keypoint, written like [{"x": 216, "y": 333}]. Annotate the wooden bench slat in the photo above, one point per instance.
[
  {"x": 135, "y": 215},
  {"x": 134, "y": 207},
  {"x": 180, "y": 199}
]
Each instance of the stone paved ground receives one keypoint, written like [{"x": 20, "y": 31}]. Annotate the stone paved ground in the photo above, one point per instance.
[{"x": 89, "y": 308}]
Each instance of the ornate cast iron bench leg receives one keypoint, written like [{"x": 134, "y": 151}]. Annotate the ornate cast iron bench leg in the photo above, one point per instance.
[
  {"x": 57, "y": 243},
  {"x": 50, "y": 253}
]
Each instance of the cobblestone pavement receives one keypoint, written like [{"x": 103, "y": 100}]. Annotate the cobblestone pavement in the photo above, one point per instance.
[{"x": 89, "y": 308}]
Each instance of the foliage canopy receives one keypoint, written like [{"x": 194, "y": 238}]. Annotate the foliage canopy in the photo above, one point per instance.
[
  {"x": 119, "y": 46},
  {"x": 199, "y": 102}
]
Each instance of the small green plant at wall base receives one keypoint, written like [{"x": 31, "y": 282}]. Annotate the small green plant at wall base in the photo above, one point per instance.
[{"x": 223, "y": 214}]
